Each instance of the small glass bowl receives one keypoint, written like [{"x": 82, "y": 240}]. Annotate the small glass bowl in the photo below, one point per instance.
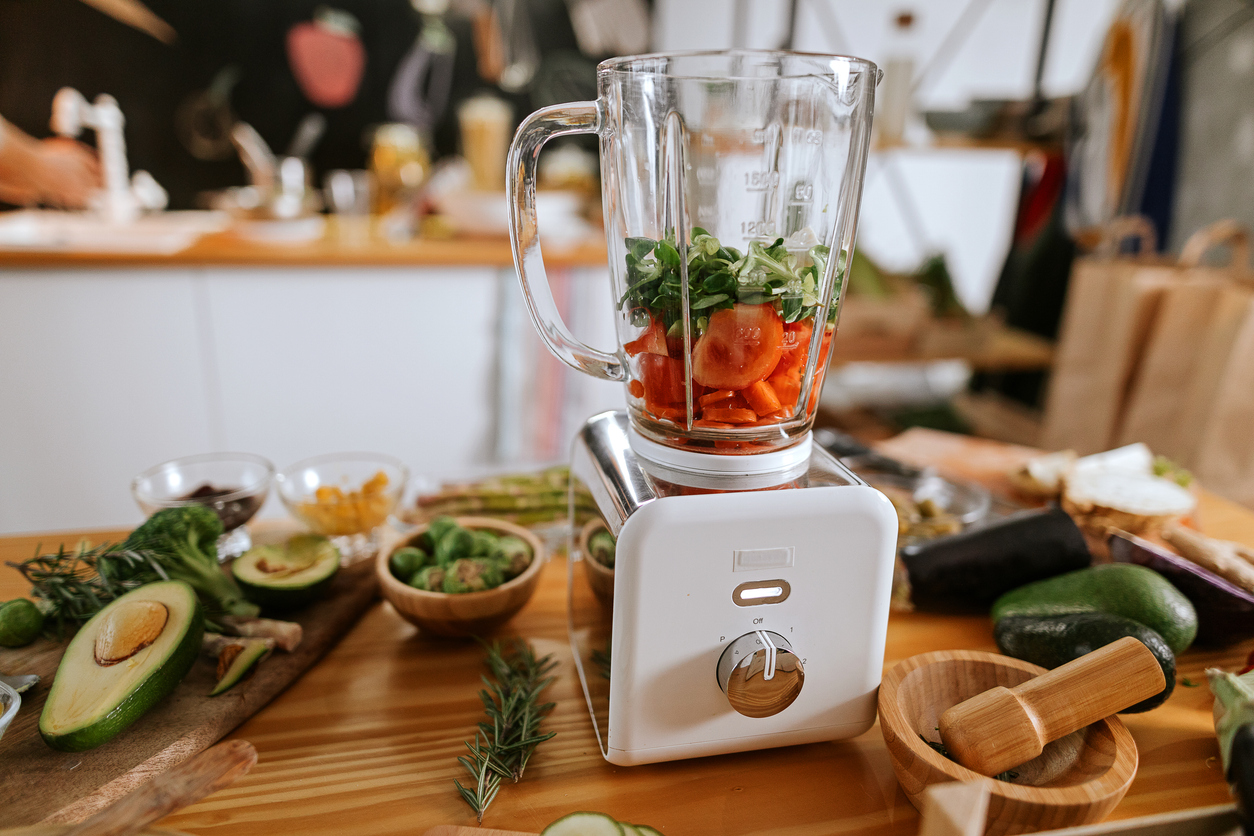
[
  {"x": 331, "y": 494},
  {"x": 234, "y": 485}
]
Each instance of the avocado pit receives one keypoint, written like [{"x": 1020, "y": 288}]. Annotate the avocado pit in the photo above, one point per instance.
[{"x": 128, "y": 629}]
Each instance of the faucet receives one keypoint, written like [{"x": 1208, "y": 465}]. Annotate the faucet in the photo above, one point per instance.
[{"x": 124, "y": 196}]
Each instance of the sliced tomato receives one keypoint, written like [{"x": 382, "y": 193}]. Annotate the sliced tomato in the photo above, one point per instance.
[
  {"x": 762, "y": 398},
  {"x": 662, "y": 378},
  {"x": 742, "y": 344},
  {"x": 652, "y": 341}
]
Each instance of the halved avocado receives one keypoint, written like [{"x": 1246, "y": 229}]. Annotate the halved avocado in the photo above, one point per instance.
[
  {"x": 124, "y": 661},
  {"x": 288, "y": 576},
  {"x": 238, "y": 660}
]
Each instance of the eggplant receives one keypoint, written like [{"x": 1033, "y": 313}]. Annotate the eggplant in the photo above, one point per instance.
[
  {"x": 969, "y": 570},
  {"x": 1225, "y": 611}
]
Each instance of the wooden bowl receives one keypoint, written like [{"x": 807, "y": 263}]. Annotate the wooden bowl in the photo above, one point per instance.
[
  {"x": 600, "y": 577},
  {"x": 466, "y": 613},
  {"x": 1076, "y": 780}
]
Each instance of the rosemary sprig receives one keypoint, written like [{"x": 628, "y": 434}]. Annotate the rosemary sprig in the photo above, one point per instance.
[
  {"x": 505, "y": 742},
  {"x": 72, "y": 586}
]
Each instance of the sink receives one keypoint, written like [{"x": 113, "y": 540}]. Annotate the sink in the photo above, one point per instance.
[{"x": 161, "y": 233}]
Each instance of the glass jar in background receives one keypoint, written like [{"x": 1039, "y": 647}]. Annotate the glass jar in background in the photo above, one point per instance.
[
  {"x": 400, "y": 163},
  {"x": 349, "y": 194},
  {"x": 487, "y": 126}
]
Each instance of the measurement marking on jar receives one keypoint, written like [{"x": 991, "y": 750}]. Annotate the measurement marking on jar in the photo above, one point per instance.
[
  {"x": 803, "y": 192},
  {"x": 760, "y": 181},
  {"x": 752, "y": 229}
]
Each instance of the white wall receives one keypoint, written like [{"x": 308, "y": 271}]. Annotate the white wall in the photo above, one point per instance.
[{"x": 966, "y": 201}]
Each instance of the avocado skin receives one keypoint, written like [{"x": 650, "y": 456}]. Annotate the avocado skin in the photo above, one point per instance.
[
  {"x": 1122, "y": 589},
  {"x": 284, "y": 599},
  {"x": 254, "y": 651},
  {"x": 160, "y": 681},
  {"x": 1050, "y": 641}
]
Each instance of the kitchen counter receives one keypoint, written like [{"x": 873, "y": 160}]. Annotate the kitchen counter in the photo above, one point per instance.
[
  {"x": 367, "y": 741},
  {"x": 225, "y": 248}
]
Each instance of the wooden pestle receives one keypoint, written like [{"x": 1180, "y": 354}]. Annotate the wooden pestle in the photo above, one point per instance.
[
  {"x": 1004, "y": 727},
  {"x": 185, "y": 784}
]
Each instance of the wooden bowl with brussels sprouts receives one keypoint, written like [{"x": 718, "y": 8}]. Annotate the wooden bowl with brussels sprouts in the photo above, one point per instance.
[
  {"x": 461, "y": 576},
  {"x": 596, "y": 546}
]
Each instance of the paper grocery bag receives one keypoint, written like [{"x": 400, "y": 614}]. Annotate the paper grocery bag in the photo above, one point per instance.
[
  {"x": 1110, "y": 307},
  {"x": 1224, "y": 455},
  {"x": 1188, "y": 348}
]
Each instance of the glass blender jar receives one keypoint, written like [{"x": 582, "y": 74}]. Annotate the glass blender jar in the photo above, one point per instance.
[{"x": 731, "y": 183}]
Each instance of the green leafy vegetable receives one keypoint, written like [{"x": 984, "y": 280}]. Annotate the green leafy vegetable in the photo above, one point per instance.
[{"x": 718, "y": 278}]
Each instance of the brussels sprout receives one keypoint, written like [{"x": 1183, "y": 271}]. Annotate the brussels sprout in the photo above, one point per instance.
[
  {"x": 472, "y": 575},
  {"x": 405, "y": 562},
  {"x": 601, "y": 545},
  {"x": 438, "y": 528},
  {"x": 430, "y": 578},
  {"x": 484, "y": 544},
  {"x": 513, "y": 555},
  {"x": 456, "y": 544}
]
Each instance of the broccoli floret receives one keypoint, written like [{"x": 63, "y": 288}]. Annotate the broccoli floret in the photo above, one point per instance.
[
  {"x": 182, "y": 544},
  {"x": 472, "y": 575}
]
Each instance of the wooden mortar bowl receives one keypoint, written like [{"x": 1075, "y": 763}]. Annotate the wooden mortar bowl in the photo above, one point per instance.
[
  {"x": 600, "y": 578},
  {"x": 1077, "y": 779},
  {"x": 465, "y": 613}
]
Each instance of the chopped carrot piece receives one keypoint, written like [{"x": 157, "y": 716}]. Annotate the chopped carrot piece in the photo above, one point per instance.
[
  {"x": 711, "y": 425},
  {"x": 787, "y": 388},
  {"x": 716, "y": 396},
  {"x": 762, "y": 398},
  {"x": 672, "y": 412},
  {"x": 731, "y": 415},
  {"x": 636, "y": 388}
]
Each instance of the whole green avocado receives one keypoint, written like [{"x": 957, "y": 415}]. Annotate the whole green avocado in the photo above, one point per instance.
[{"x": 1122, "y": 589}]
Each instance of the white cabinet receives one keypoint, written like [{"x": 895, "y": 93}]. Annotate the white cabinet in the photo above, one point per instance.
[
  {"x": 106, "y": 372},
  {"x": 101, "y": 375}
]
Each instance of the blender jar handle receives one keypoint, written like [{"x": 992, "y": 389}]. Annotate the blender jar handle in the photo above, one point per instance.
[{"x": 524, "y": 154}]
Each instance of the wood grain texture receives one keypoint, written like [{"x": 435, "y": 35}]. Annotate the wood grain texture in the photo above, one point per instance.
[
  {"x": 38, "y": 783},
  {"x": 367, "y": 741},
  {"x": 1076, "y": 779},
  {"x": 186, "y": 783},
  {"x": 1000, "y": 728}
]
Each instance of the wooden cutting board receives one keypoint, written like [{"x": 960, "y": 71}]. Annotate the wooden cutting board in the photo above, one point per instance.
[{"x": 40, "y": 784}]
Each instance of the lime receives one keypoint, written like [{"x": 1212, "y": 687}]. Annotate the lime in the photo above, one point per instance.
[{"x": 20, "y": 622}]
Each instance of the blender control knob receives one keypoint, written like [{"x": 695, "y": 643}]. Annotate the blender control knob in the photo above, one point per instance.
[{"x": 760, "y": 674}]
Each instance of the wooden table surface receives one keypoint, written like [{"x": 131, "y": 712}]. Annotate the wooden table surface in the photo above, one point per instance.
[{"x": 367, "y": 741}]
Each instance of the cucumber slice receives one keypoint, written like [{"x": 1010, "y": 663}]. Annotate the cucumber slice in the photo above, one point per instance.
[{"x": 584, "y": 824}]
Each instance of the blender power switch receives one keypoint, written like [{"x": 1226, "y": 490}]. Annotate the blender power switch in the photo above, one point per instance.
[{"x": 760, "y": 674}]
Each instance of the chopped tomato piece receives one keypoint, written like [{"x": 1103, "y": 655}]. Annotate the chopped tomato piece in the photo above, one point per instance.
[
  {"x": 662, "y": 378},
  {"x": 636, "y": 388},
  {"x": 716, "y": 396},
  {"x": 741, "y": 344},
  {"x": 730, "y": 415},
  {"x": 652, "y": 341},
  {"x": 796, "y": 347},
  {"x": 762, "y": 398}
]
